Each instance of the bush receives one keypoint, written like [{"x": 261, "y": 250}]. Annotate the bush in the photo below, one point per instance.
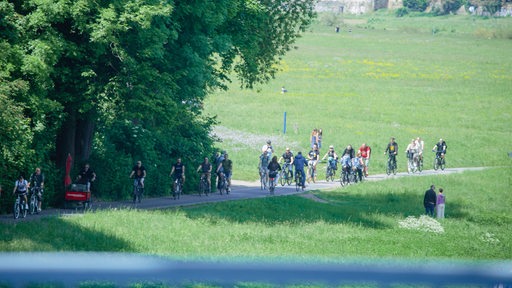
[
  {"x": 400, "y": 12},
  {"x": 416, "y": 5}
]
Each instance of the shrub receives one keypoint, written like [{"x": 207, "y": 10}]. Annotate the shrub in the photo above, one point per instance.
[
  {"x": 400, "y": 12},
  {"x": 416, "y": 5}
]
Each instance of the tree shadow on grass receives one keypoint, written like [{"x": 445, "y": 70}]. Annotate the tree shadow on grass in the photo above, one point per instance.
[
  {"x": 56, "y": 234},
  {"x": 344, "y": 208}
]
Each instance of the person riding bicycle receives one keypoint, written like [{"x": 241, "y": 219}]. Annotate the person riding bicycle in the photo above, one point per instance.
[
  {"x": 440, "y": 148},
  {"x": 392, "y": 150},
  {"x": 263, "y": 164},
  {"x": 268, "y": 147},
  {"x": 226, "y": 167},
  {"x": 358, "y": 166},
  {"x": 412, "y": 155},
  {"x": 206, "y": 170},
  {"x": 37, "y": 183},
  {"x": 86, "y": 176},
  {"x": 219, "y": 157},
  {"x": 366, "y": 152},
  {"x": 313, "y": 157},
  {"x": 421, "y": 146},
  {"x": 21, "y": 188},
  {"x": 139, "y": 172},
  {"x": 346, "y": 162},
  {"x": 273, "y": 169},
  {"x": 299, "y": 162},
  {"x": 178, "y": 172},
  {"x": 332, "y": 158},
  {"x": 350, "y": 151},
  {"x": 288, "y": 159}
]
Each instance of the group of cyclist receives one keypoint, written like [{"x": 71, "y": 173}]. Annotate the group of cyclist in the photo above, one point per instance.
[
  {"x": 35, "y": 185},
  {"x": 414, "y": 152},
  {"x": 356, "y": 161}
]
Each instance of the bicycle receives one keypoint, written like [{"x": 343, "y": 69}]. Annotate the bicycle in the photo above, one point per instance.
[
  {"x": 272, "y": 182},
  {"x": 391, "y": 164},
  {"x": 439, "y": 162},
  {"x": 345, "y": 176},
  {"x": 286, "y": 175},
  {"x": 420, "y": 163},
  {"x": 263, "y": 179},
  {"x": 34, "y": 194},
  {"x": 137, "y": 191},
  {"x": 178, "y": 183},
  {"x": 204, "y": 186},
  {"x": 298, "y": 181},
  {"x": 412, "y": 162},
  {"x": 20, "y": 206},
  {"x": 223, "y": 184},
  {"x": 330, "y": 172},
  {"x": 311, "y": 172}
]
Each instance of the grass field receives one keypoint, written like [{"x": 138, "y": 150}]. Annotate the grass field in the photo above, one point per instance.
[{"x": 388, "y": 77}]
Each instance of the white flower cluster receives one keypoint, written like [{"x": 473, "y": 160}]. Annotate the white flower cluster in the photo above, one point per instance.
[
  {"x": 423, "y": 223},
  {"x": 490, "y": 238},
  {"x": 248, "y": 139}
]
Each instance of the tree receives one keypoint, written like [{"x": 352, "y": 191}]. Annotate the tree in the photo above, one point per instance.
[{"x": 126, "y": 79}]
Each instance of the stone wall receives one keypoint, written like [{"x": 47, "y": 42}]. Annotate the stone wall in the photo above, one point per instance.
[{"x": 356, "y": 6}]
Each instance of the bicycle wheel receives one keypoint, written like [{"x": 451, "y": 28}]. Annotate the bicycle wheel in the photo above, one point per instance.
[
  {"x": 16, "y": 211},
  {"x": 282, "y": 177},
  {"x": 420, "y": 165},
  {"x": 436, "y": 164},
  {"x": 388, "y": 168},
  {"x": 271, "y": 186},
  {"x": 33, "y": 204},
  {"x": 24, "y": 209},
  {"x": 443, "y": 164},
  {"x": 289, "y": 177}
]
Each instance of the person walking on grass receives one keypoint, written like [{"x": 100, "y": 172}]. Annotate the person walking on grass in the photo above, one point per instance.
[
  {"x": 429, "y": 201},
  {"x": 440, "y": 204}
]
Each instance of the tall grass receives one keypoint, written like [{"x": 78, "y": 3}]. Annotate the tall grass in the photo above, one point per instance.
[{"x": 388, "y": 77}]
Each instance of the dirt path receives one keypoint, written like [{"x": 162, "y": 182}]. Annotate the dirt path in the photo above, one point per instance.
[{"x": 240, "y": 190}]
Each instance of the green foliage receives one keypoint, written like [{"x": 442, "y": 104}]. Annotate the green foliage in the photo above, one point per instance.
[
  {"x": 331, "y": 19},
  {"x": 401, "y": 12},
  {"x": 119, "y": 81},
  {"x": 416, "y": 5}
]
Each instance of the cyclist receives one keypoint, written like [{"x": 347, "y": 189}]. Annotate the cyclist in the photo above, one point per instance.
[
  {"x": 288, "y": 159},
  {"x": 421, "y": 145},
  {"x": 37, "y": 180},
  {"x": 178, "y": 172},
  {"x": 86, "y": 176},
  {"x": 263, "y": 165},
  {"x": 333, "y": 158},
  {"x": 268, "y": 147},
  {"x": 366, "y": 152},
  {"x": 227, "y": 168},
  {"x": 412, "y": 155},
  {"x": 273, "y": 169},
  {"x": 350, "y": 151},
  {"x": 140, "y": 173},
  {"x": 392, "y": 150},
  {"x": 313, "y": 158},
  {"x": 219, "y": 157},
  {"x": 20, "y": 187},
  {"x": 299, "y": 162},
  {"x": 346, "y": 162},
  {"x": 358, "y": 165},
  {"x": 440, "y": 148},
  {"x": 206, "y": 170}
]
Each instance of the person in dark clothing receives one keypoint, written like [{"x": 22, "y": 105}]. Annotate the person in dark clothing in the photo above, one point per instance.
[
  {"x": 299, "y": 162},
  {"x": 86, "y": 176},
  {"x": 429, "y": 201}
]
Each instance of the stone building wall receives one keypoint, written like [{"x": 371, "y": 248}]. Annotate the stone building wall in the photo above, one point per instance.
[{"x": 356, "y": 6}]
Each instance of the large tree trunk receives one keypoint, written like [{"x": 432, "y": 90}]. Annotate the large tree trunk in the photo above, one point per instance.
[
  {"x": 66, "y": 139},
  {"x": 84, "y": 137}
]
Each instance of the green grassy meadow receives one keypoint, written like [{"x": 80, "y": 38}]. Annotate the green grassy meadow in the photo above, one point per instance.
[{"x": 387, "y": 77}]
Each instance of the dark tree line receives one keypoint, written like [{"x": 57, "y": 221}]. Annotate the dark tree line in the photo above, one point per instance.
[{"x": 112, "y": 82}]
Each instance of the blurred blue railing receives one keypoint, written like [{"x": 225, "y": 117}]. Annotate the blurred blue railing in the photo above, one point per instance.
[{"x": 73, "y": 269}]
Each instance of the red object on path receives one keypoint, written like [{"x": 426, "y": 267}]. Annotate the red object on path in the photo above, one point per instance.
[{"x": 67, "y": 178}]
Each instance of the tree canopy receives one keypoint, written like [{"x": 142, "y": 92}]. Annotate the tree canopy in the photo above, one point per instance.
[{"x": 112, "y": 82}]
